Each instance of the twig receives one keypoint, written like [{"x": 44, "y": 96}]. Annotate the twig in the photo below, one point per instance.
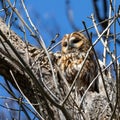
[
  {"x": 111, "y": 5},
  {"x": 53, "y": 41},
  {"x": 12, "y": 75},
  {"x": 111, "y": 106},
  {"x": 116, "y": 67},
  {"x": 41, "y": 42},
  {"x": 97, "y": 24},
  {"x": 29, "y": 19},
  {"x": 42, "y": 80},
  {"x": 8, "y": 108},
  {"x": 54, "y": 46},
  {"x": 4, "y": 9},
  {"x": 9, "y": 21},
  {"x": 106, "y": 40},
  {"x": 94, "y": 23},
  {"x": 118, "y": 87},
  {"x": 18, "y": 14},
  {"x": 13, "y": 95}
]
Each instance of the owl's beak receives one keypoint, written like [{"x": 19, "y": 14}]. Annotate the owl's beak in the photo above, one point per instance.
[{"x": 69, "y": 47}]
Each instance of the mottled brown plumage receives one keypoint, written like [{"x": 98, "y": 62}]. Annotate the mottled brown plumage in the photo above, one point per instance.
[{"x": 74, "y": 48}]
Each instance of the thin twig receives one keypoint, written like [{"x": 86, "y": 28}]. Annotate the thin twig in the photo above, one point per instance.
[
  {"x": 20, "y": 17},
  {"x": 12, "y": 75},
  {"x": 94, "y": 23},
  {"x": 29, "y": 19},
  {"x": 97, "y": 24},
  {"x": 111, "y": 106},
  {"x": 106, "y": 40},
  {"x": 54, "y": 46},
  {"x": 116, "y": 64},
  {"x": 42, "y": 80},
  {"x": 9, "y": 21},
  {"x": 53, "y": 41},
  {"x": 38, "y": 38}
]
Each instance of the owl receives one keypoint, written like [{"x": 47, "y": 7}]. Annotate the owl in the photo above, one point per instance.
[{"x": 74, "y": 47}]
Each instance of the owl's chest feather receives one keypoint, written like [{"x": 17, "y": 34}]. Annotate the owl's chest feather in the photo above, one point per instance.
[{"x": 71, "y": 60}]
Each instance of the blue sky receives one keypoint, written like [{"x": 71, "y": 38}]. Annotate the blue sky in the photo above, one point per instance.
[{"x": 53, "y": 16}]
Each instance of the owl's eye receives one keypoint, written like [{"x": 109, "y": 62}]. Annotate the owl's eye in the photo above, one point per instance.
[
  {"x": 64, "y": 44},
  {"x": 76, "y": 40}
]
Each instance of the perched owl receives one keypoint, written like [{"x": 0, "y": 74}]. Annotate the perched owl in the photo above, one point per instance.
[{"x": 74, "y": 47}]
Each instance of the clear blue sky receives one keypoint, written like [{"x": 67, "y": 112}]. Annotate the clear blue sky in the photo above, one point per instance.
[{"x": 52, "y": 16}]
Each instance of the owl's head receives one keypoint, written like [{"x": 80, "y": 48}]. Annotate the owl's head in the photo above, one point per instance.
[{"x": 74, "y": 42}]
